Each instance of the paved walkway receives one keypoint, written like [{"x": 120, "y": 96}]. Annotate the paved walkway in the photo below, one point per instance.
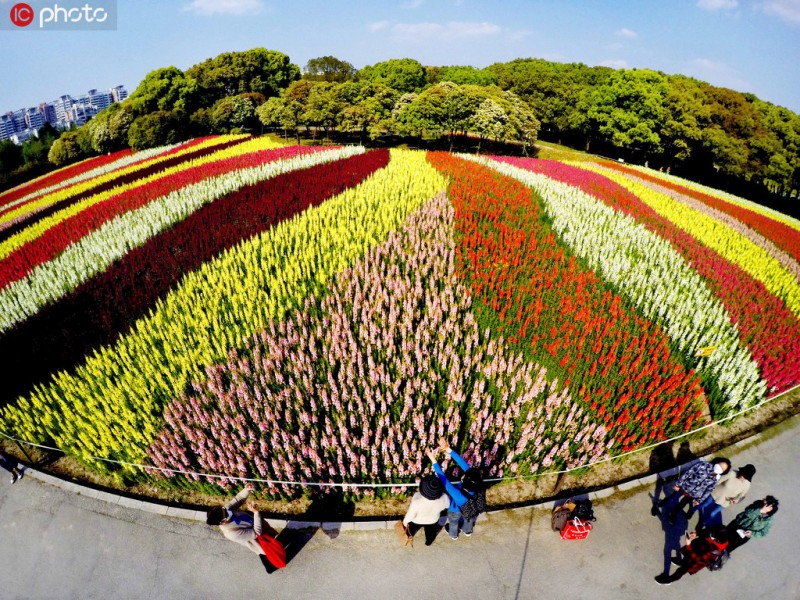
[{"x": 59, "y": 544}]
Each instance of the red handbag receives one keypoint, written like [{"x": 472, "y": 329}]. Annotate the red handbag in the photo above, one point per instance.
[
  {"x": 273, "y": 550},
  {"x": 575, "y": 529}
]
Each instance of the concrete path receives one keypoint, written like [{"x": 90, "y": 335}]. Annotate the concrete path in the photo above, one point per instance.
[{"x": 57, "y": 544}]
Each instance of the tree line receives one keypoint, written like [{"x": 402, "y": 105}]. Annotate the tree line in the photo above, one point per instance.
[{"x": 696, "y": 129}]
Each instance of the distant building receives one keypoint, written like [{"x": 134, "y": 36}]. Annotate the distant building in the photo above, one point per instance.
[
  {"x": 6, "y": 126},
  {"x": 118, "y": 93},
  {"x": 34, "y": 119},
  {"x": 22, "y": 124},
  {"x": 48, "y": 112}
]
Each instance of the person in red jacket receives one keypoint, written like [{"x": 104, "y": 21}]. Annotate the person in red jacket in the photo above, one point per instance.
[{"x": 699, "y": 552}]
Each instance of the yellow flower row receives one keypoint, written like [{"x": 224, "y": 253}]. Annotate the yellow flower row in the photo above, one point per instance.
[
  {"x": 718, "y": 236},
  {"x": 724, "y": 196},
  {"x": 66, "y": 193},
  {"x": 112, "y": 405},
  {"x": 37, "y": 229}
]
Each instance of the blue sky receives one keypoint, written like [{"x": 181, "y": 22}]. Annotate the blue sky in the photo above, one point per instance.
[{"x": 747, "y": 45}]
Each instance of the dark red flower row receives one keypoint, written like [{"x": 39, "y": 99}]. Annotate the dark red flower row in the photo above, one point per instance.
[
  {"x": 104, "y": 307},
  {"x": 55, "y": 240},
  {"x": 113, "y": 183},
  {"x": 61, "y": 175}
]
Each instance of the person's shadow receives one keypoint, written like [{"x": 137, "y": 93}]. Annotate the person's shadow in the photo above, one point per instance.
[
  {"x": 668, "y": 469},
  {"x": 662, "y": 463},
  {"x": 328, "y": 507}
]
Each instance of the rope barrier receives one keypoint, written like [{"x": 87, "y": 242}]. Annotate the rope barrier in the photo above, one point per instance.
[{"x": 401, "y": 484}]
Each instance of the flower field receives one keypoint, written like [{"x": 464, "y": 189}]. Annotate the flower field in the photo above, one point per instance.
[{"x": 228, "y": 307}]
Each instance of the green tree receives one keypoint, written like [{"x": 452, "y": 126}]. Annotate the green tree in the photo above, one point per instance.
[
  {"x": 258, "y": 70},
  {"x": 404, "y": 75},
  {"x": 330, "y": 69},
  {"x": 156, "y": 129},
  {"x": 109, "y": 128},
  {"x": 461, "y": 75},
  {"x": 489, "y": 121},
  {"x": 66, "y": 149},
  {"x": 164, "y": 89},
  {"x": 10, "y": 157},
  {"x": 233, "y": 113},
  {"x": 628, "y": 110}
]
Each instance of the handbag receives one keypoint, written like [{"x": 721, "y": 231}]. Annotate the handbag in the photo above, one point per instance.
[
  {"x": 403, "y": 535},
  {"x": 273, "y": 550}
]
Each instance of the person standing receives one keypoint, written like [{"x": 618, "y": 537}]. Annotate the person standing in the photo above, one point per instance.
[
  {"x": 426, "y": 507},
  {"x": 460, "y": 492},
  {"x": 753, "y": 521},
  {"x": 701, "y": 550},
  {"x": 246, "y": 527},
  {"x": 11, "y": 464},
  {"x": 731, "y": 490},
  {"x": 694, "y": 486}
]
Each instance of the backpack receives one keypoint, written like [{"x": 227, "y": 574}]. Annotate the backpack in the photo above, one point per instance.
[
  {"x": 583, "y": 510},
  {"x": 475, "y": 505},
  {"x": 575, "y": 529},
  {"x": 721, "y": 556},
  {"x": 561, "y": 515}
]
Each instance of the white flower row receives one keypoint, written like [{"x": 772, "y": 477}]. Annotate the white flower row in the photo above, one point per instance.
[
  {"x": 93, "y": 253},
  {"x": 647, "y": 270}
]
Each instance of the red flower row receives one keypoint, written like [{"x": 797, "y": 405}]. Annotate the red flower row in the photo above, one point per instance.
[
  {"x": 767, "y": 327},
  {"x": 528, "y": 287},
  {"x": 104, "y": 307}
]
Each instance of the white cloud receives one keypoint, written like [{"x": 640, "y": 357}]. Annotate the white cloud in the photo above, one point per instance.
[
  {"x": 411, "y": 4},
  {"x": 786, "y": 10},
  {"x": 224, "y": 7},
  {"x": 615, "y": 64},
  {"x": 626, "y": 33},
  {"x": 425, "y": 31},
  {"x": 717, "y": 4}
]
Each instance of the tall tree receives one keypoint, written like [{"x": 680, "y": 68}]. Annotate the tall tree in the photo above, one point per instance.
[
  {"x": 405, "y": 75},
  {"x": 329, "y": 68}
]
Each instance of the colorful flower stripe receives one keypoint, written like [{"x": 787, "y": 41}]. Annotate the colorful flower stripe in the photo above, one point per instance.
[
  {"x": 30, "y": 225},
  {"x": 719, "y": 194},
  {"x": 532, "y": 291},
  {"x": 783, "y": 231},
  {"x": 784, "y": 258},
  {"x": 112, "y": 405},
  {"x": 774, "y": 342},
  {"x": 103, "y": 308},
  {"x": 60, "y": 175},
  {"x": 653, "y": 276},
  {"x": 54, "y": 234},
  {"x": 86, "y": 186},
  {"x": 95, "y": 252},
  {"x": 125, "y": 160},
  {"x": 356, "y": 386},
  {"x": 729, "y": 243}
]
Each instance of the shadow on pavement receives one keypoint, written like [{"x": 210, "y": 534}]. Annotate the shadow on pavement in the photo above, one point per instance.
[{"x": 328, "y": 506}]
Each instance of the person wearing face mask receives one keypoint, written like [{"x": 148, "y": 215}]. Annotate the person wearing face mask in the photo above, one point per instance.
[
  {"x": 694, "y": 486},
  {"x": 243, "y": 527}
]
